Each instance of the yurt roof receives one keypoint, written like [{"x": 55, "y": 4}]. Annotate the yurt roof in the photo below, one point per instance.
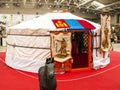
[{"x": 46, "y": 21}]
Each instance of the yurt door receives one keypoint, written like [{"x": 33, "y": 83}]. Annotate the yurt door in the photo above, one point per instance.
[{"x": 81, "y": 50}]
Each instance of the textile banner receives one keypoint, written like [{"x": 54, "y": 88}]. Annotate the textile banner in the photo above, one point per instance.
[
  {"x": 105, "y": 32},
  {"x": 73, "y": 24},
  {"x": 61, "y": 46}
]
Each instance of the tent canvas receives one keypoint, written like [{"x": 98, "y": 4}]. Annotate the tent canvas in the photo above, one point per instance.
[{"x": 28, "y": 43}]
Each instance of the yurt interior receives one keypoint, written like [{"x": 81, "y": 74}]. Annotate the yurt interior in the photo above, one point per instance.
[{"x": 80, "y": 50}]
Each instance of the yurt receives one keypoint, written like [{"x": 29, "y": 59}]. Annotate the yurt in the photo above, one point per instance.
[{"x": 74, "y": 42}]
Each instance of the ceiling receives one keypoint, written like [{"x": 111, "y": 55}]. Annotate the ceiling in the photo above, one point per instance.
[{"x": 88, "y": 6}]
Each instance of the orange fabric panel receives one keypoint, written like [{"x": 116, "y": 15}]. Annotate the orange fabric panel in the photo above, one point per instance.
[{"x": 63, "y": 67}]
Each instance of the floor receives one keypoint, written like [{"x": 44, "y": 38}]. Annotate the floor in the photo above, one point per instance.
[
  {"x": 116, "y": 47},
  {"x": 107, "y": 78}
]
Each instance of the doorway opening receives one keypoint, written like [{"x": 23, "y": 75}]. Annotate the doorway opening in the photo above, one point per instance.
[{"x": 81, "y": 44}]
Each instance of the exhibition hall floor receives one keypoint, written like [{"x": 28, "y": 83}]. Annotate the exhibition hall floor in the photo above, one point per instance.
[{"x": 107, "y": 78}]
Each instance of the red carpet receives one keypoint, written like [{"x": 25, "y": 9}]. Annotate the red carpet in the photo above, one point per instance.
[{"x": 107, "y": 78}]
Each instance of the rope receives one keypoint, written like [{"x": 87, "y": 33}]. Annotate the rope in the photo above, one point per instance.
[{"x": 26, "y": 46}]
